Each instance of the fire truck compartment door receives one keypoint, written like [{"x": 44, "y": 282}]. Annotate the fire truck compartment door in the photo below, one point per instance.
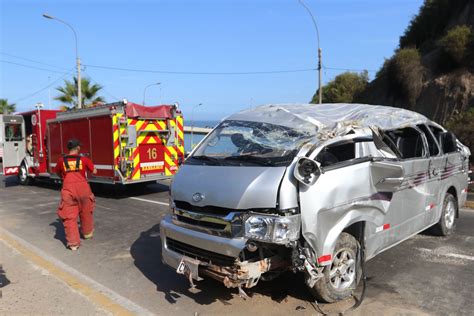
[
  {"x": 12, "y": 139},
  {"x": 132, "y": 136},
  {"x": 171, "y": 136}
]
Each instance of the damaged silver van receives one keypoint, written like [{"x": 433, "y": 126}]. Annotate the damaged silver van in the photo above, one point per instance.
[{"x": 316, "y": 189}]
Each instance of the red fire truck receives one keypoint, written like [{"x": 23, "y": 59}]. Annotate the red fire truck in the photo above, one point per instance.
[{"x": 128, "y": 143}]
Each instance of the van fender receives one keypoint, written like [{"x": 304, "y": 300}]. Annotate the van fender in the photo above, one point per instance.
[{"x": 324, "y": 241}]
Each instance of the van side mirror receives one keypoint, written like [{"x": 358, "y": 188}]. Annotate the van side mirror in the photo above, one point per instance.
[
  {"x": 448, "y": 142},
  {"x": 306, "y": 171},
  {"x": 386, "y": 176}
]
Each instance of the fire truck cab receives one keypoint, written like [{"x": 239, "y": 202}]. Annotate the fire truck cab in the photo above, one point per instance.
[{"x": 12, "y": 142}]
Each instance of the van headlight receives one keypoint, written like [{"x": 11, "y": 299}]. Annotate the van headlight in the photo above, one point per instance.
[{"x": 272, "y": 228}]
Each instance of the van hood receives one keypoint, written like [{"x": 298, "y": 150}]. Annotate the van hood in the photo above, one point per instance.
[{"x": 232, "y": 187}]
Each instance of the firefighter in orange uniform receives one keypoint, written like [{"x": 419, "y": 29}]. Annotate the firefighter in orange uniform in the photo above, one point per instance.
[{"x": 77, "y": 199}]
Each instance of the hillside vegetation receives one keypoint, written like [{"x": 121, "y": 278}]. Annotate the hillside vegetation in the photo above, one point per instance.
[{"x": 432, "y": 71}]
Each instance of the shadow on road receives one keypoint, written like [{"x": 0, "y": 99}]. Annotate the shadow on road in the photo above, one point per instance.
[
  {"x": 125, "y": 191},
  {"x": 146, "y": 252},
  {"x": 3, "y": 278},
  {"x": 59, "y": 231},
  {"x": 108, "y": 191},
  {"x": 10, "y": 181}
]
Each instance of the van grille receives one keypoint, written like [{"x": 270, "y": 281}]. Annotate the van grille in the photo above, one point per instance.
[
  {"x": 196, "y": 222},
  {"x": 203, "y": 209},
  {"x": 198, "y": 253}
]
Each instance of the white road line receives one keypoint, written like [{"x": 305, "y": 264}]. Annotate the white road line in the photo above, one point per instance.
[
  {"x": 46, "y": 212},
  {"x": 449, "y": 255},
  {"x": 455, "y": 255},
  {"x": 114, "y": 296},
  {"x": 149, "y": 201},
  {"x": 104, "y": 207}
]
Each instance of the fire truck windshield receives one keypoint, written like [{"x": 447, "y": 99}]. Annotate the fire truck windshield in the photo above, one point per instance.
[{"x": 13, "y": 132}]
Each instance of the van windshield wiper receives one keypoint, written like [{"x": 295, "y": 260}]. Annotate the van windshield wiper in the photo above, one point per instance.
[
  {"x": 207, "y": 158},
  {"x": 248, "y": 158}
]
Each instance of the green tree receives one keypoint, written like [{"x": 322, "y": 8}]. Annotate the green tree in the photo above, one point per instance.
[
  {"x": 462, "y": 125},
  {"x": 456, "y": 43},
  {"x": 406, "y": 71},
  {"x": 429, "y": 24},
  {"x": 344, "y": 88},
  {"x": 6, "y": 107},
  {"x": 89, "y": 93}
]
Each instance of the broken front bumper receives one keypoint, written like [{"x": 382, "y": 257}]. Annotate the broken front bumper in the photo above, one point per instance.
[{"x": 212, "y": 256}]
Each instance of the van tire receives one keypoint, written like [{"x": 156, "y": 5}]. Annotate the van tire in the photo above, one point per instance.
[
  {"x": 447, "y": 222},
  {"x": 327, "y": 288},
  {"x": 23, "y": 177}
]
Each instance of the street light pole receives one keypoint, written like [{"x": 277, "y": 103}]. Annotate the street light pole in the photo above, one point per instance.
[
  {"x": 78, "y": 60},
  {"x": 151, "y": 84},
  {"x": 320, "y": 53},
  {"x": 192, "y": 124}
]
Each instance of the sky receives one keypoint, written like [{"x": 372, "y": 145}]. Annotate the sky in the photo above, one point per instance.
[{"x": 190, "y": 38}]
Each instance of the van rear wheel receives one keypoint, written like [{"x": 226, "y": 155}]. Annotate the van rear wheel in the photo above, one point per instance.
[
  {"x": 342, "y": 275},
  {"x": 447, "y": 221}
]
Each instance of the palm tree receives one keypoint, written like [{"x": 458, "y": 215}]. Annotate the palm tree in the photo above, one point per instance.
[
  {"x": 6, "y": 108},
  {"x": 89, "y": 93}
]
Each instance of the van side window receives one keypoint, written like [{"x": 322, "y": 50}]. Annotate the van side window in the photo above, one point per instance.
[
  {"x": 436, "y": 132},
  {"x": 432, "y": 145},
  {"x": 408, "y": 141},
  {"x": 336, "y": 153}
]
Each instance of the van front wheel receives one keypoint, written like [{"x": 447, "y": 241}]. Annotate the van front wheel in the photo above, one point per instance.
[{"x": 341, "y": 276}]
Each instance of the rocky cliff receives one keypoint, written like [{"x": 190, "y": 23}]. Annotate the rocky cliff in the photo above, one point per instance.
[{"x": 445, "y": 90}]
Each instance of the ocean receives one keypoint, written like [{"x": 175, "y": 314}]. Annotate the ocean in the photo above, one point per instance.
[{"x": 196, "y": 138}]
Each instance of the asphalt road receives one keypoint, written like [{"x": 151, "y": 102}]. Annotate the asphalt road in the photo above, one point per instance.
[{"x": 424, "y": 274}]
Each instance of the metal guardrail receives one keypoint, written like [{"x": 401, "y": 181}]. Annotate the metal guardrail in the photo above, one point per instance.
[{"x": 197, "y": 130}]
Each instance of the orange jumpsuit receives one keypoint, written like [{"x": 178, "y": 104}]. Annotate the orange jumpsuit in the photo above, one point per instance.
[{"x": 77, "y": 199}]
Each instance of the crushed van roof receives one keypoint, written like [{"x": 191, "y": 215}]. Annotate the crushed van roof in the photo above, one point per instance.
[{"x": 330, "y": 117}]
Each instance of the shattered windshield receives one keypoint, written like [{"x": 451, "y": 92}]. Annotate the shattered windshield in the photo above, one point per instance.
[{"x": 254, "y": 143}]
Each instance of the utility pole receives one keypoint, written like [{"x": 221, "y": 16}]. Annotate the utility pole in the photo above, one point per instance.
[
  {"x": 49, "y": 94},
  {"x": 320, "y": 66},
  {"x": 78, "y": 60},
  {"x": 320, "y": 53},
  {"x": 79, "y": 83}
]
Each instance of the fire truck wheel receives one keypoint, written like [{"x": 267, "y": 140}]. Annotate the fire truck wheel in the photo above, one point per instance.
[
  {"x": 341, "y": 276},
  {"x": 23, "y": 175}
]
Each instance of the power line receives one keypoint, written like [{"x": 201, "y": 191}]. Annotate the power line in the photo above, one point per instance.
[
  {"x": 32, "y": 67},
  {"x": 171, "y": 71},
  {"x": 44, "y": 88},
  {"x": 201, "y": 73},
  {"x": 348, "y": 69},
  {"x": 32, "y": 60}
]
